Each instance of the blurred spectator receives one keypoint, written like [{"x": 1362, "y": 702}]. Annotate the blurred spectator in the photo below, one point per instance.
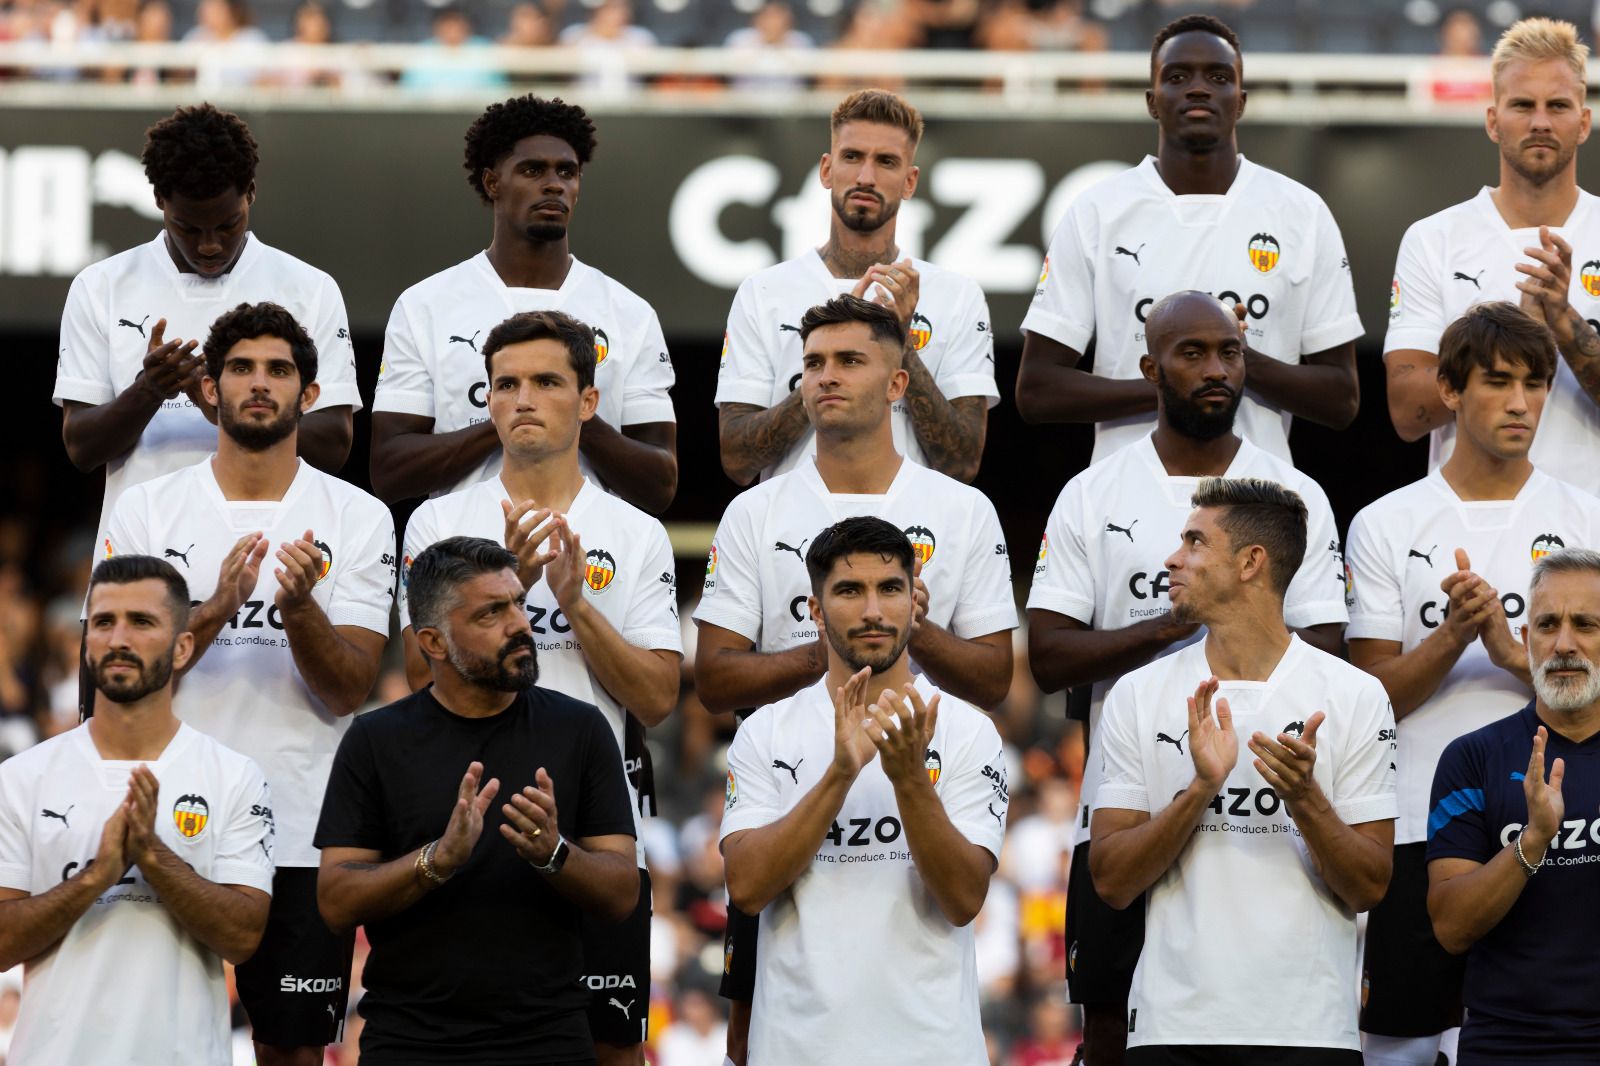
[
  {"x": 1041, "y": 25},
  {"x": 153, "y": 23},
  {"x": 875, "y": 24},
  {"x": 109, "y": 21},
  {"x": 1039, "y": 847},
  {"x": 225, "y": 22},
  {"x": 699, "y": 1035},
  {"x": 528, "y": 27},
  {"x": 454, "y": 67},
  {"x": 610, "y": 30},
  {"x": 1051, "y": 1039},
  {"x": 1460, "y": 34},
  {"x": 945, "y": 23},
  {"x": 311, "y": 26},
  {"x": 771, "y": 28}
]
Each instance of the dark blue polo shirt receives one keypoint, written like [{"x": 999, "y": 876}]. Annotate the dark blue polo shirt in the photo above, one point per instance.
[{"x": 1533, "y": 982}]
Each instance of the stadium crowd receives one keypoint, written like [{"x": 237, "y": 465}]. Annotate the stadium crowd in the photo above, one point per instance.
[{"x": 957, "y": 862}]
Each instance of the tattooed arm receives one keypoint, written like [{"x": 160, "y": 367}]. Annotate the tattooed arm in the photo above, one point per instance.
[
  {"x": 1412, "y": 379},
  {"x": 753, "y": 438},
  {"x": 951, "y": 432}
]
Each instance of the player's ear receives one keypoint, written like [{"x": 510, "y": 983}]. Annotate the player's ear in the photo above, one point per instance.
[
  {"x": 1147, "y": 368},
  {"x": 491, "y": 183},
  {"x": 308, "y": 396},
  {"x": 208, "y": 389},
  {"x": 250, "y": 194},
  {"x": 1243, "y": 96},
  {"x": 1491, "y": 124},
  {"x": 825, "y": 170},
  {"x": 1583, "y": 133},
  {"x": 912, "y": 174},
  {"x": 814, "y": 606},
  {"x": 431, "y": 642},
  {"x": 182, "y": 651},
  {"x": 588, "y": 403},
  {"x": 1252, "y": 563},
  {"x": 1150, "y": 104},
  {"x": 1448, "y": 395}
]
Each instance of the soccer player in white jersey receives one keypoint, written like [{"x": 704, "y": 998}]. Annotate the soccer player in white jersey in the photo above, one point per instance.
[
  {"x": 127, "y": 381},
  {"x": 1098, "y": 607},
  {"x": 602, "y": 603},
  {"x": 1196, "y": 215},
  {"x": 1256, "y": 862},
  {"x": 1427, "y": 620},
  {"x": 863, "y": 820},
  {"x": 1508, "y": 243},
  {"x": 868, "y": 170},
  {"x": 284, "y": 653},
  {"x": 758, "y": 642},
  {"x": 135, "y": 852},
  {"x": 431, "y": 432}
]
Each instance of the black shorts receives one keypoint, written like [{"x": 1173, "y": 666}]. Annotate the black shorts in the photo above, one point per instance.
[
  {"x": 1239, "y": 1055},
  {"x": 616, "y": 964},
  {"x": 739, "y": 955},
  {"x": 1410, "y": 986},
  {"x": 1103, "y": 943},
  {"x": 297, "y": 985}
]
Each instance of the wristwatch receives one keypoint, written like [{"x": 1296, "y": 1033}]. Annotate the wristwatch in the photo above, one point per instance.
[{"x": 558, "y": 857}]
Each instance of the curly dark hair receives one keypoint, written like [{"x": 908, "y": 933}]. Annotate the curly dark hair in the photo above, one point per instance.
[
  {"x": 1192, "y": 24},
  {"x": 497, "y": 131},
  {"x": 199, "y": 152},
  {"x": 260, "y": 320}
]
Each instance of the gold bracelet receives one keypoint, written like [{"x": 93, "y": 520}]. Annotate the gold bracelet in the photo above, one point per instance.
[{"x": 424, "y": 863}]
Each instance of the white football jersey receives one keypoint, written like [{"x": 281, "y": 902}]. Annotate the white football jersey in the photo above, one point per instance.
[
  {"x": 1401, "y": 548},
  {"x": 761, "y": 352},
  {"x": 433, "y": 350},
  {"x": 822, "y": 990},
  {"x": 1269, "y": 243},
  {"x": 246, "y": 691},
  {"x": 1465, "y": 255},
  {"x": 127, "y": 984},
  {"x": 1112, "y": 529},
  {"x": 756, "y": 582},
  {"x": 1244, "y": 942},
  {"x": 105, "y": 331},
  {"x": 631, "y": 579}
]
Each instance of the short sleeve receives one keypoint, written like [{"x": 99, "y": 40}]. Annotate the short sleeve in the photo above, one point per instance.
[
  {"x": 647, "y": 392},
  {"x": 1364, "y": 780},
  {"x": 422, "y": 529},
  {"x": 1416, "y": 306},
  {"x": 405, "y": 383},
  {"x": 1062, "y": 579},
  {"x": 974, "y": 788},
  {"x": 604, "y": 806},
  {"x": 731, "y": 596},
  {"x": 750, "y": 799},
  {"x": 244, "y": 851},
  {"x": 16, "y": 857},
  {"x": 986, "y": 604},
  {"x": 1330, "y": 314},
  {"x": 128, "y": 531},
  {"x": 352, "y": 806},
  {"x": 1122, "y": 784},
  {"x": 967, "y": 365},
  {"x": 652, "y": 618},
  {"x": 336, "y": 354},
  {"x": 83, "y": 369},
  {"x": 1458, "y": 827},
  {"x": 1063, "y": 303},
  {"x": 363, "y": 591},
  {"x": 1316, "y": 592},
  {"x": 748, "y": 366},
  {"x": 1377, "y": 610}
]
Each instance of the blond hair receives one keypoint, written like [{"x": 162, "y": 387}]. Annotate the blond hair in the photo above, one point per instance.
[
  {"x": 1535, "y": 40},
  {"x": 880, "y": 106}
]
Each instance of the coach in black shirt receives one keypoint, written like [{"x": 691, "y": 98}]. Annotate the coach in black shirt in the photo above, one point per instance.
[{"x": 472, "y": 909}]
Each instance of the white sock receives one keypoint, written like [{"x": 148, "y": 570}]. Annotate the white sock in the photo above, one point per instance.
[{"x": 1399, "y": 1050}]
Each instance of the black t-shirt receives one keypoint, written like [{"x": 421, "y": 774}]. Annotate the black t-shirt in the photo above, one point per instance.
[{"x": 487, "y": 967}]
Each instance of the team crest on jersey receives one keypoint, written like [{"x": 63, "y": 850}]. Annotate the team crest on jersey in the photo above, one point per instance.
[
  {"x": 922, "y": 543},
  {"x": 921, "y": 331},
  {"x": 602, "y": 345},
  {"x": 600, "y": 569},
  {"x": 1590, "y": 276},
  {"x": 327, "y": 559},
  {"x": 730, "y": 794},
  {"x": 1264, "y": 252},
  {"x": 1544, "y": 544},
  {"x": 190, "y": 815},
  {"x": 934, "y": 766}
]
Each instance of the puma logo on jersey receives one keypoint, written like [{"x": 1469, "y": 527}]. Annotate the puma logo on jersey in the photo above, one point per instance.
[
  {"x": 799, "y": 553},
  {"x": 48, "y": 813},
  {"x": 1469, "y": 277},
  {"x": 1134, "y": 255},
  {"x": 1162, "y": 738},
  {"x": 617, "y": 1003},
  {"x": 1126, "y": 531},
  {"x": 996, "y": 814},
  {"x": 470, "y": 342},
  {"x": 1427, "y": 558},
  {"x": 174, "y": 553},
  {"x": 139, "y": 325},
  {"x": 784, "y": 327},
  {"x": 779, "y": 764}
]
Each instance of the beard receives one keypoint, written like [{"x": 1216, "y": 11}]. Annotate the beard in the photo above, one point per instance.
[
  {"x": 1566, "y": 694},
  {"x": 257, "y": 436},
  {"x": 492, "y": 672},
  {"x": 862, "y": 660},
  {"x": 1533, "y": 174},
  {"x": 544, "y": 232},
  {"x": 860, "y": 221},
  {"x": 150, "y": 678},
  {"x": 1189, "y": 418}
]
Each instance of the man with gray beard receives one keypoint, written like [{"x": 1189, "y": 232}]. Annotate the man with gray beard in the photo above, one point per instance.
[{"x": 1512, "y": 879}]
